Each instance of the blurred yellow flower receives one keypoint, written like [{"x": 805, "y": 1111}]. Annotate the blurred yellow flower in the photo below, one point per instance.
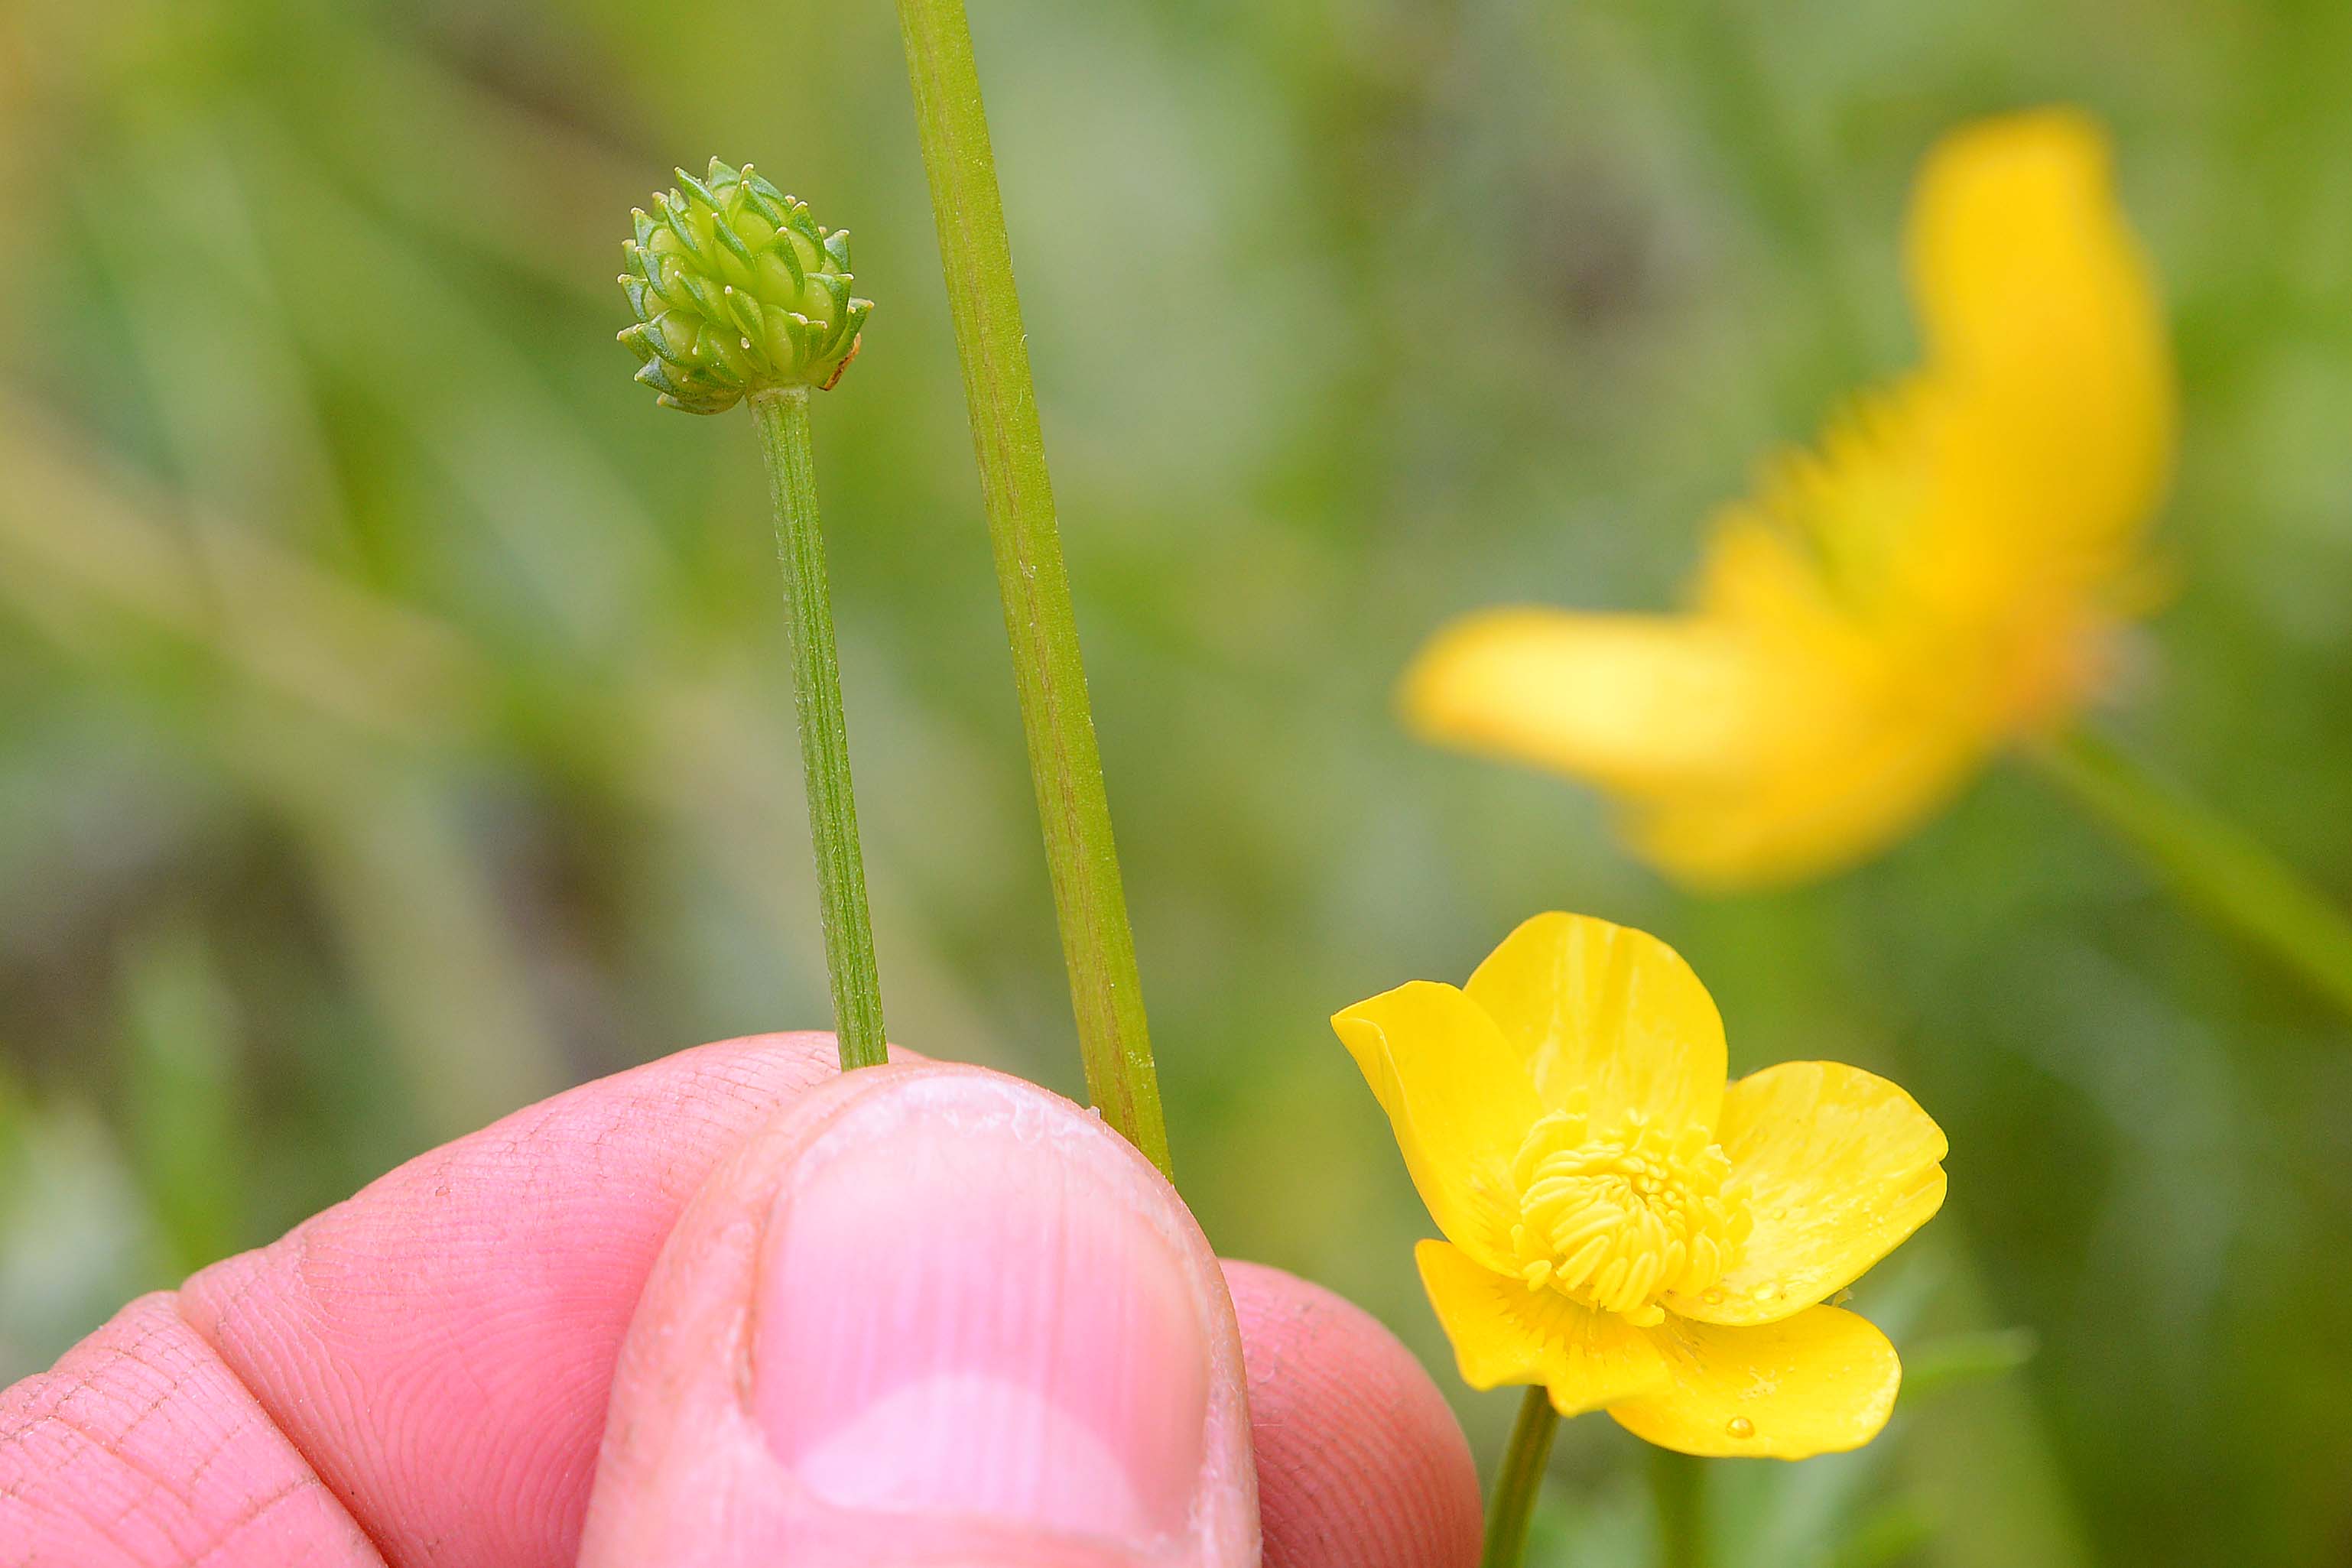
[
  {"x": 1943, "y": 574},
  {"x": 1623, "y": 1228}
]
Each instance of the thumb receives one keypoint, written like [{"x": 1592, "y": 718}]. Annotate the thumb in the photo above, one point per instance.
[{"x": 929, "y": 1316}]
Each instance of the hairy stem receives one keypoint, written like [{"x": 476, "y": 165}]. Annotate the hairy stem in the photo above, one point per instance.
[
  {"x": 1678, "y": 1491},
  {"x": 1520, "y": 1481},
  {"x": 783, "y": 420},
  {"x": 2215, "y": 865},
  {"x": 1063, "y": 764}
]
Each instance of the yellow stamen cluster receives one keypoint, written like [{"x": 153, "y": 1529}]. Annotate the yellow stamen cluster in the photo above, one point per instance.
[{"x": 1619, "y": 1216}]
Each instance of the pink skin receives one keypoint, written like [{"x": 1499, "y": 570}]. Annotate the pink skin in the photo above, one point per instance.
[{"x": 923, "y": 1315}]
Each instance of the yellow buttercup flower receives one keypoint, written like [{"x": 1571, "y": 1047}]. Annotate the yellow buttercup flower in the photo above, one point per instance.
[
  {"x": 1942, "y": 575},
  {"x": 1621, "y": 1225}
]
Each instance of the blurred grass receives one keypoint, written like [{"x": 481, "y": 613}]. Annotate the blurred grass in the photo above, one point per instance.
[{"x": 392, "y": 714}]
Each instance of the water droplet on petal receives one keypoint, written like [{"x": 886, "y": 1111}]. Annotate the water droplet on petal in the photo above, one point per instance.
[
  {"x": 1712, "y": 1295},
  {"x": 1741, "y": 1427},
  {"x": 1767, "y": 1290}
]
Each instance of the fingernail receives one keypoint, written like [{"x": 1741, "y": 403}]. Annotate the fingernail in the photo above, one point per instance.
[{"x": 973, "y": 1303}]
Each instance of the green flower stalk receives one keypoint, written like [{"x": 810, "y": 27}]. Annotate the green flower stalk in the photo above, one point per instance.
[
  {"x": 739, "y": 294},
  {"x": 736, "y": 291},
  {"x": 1040, "y": 625}
]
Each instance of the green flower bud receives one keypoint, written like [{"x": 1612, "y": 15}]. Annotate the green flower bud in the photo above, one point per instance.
[{"x": 736, "y": 291}]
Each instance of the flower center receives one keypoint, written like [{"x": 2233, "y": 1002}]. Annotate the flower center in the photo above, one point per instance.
[{"x": 1616, "y": 1218}]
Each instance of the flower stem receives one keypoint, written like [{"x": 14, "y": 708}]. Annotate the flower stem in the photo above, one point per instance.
[
  {"x": 1063, "y": 764},
  {"x": 783, "y": 414},
  {"x": 2213, "y": 863},
  {"x": 1678, "y": 1490},
  {"x": 1520, "y": 1480}
]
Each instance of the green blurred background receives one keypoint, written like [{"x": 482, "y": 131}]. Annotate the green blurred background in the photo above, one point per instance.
[{"x": 392, "y": 716}]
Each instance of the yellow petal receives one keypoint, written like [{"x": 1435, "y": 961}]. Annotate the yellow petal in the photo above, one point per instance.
[
  {"x": 1457, "y": 1099},
  {"x": 2041, "y": 309},
  {"x": 1819, "y": 1382},
  {"x": 1935, "y": 579},
  {"x": 1609, "y": 1010},
  {"x": 1861, "y": 757},
  {"x": 1504, "y": 1333},
  {"x": 1628, "y": 701},
  {"x": 1840, "y": 1165}
]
